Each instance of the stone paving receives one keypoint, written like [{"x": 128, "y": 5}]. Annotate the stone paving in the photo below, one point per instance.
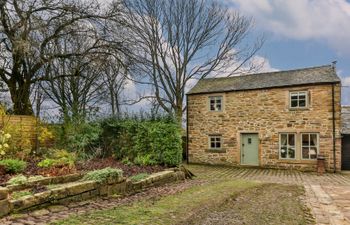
[{"x": 327, "y": 196}]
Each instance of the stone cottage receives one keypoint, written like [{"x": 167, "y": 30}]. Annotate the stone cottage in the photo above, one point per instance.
[{"x": 283, "y": 119}]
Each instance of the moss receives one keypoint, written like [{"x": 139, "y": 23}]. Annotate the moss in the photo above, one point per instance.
[
  {"x": 35, "y": 178},
  {"x": 19, "y": 194},
  {"x": 139, "y": 177},
  {"x": 19, "y": 179},
  {"x": 103, "y": 174}
]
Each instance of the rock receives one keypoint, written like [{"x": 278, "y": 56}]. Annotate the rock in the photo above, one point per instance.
[
  {"x": 81, "y": 187},
  {"x": 103, "y": 190},
  {"x": 4, "y": 192},
  {"x": 57, "y": 208},
  {"x": 40, "y": 212},
  {"x": 4, "y": 207}
]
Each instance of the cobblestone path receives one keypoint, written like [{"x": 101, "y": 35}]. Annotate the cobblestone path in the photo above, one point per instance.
[
  {"x": 268, "y": 175},
  {"x": 327, "y": 196}
]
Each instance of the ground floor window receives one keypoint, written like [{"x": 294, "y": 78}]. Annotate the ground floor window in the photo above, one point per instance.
[
  {"x": 215, "y": 142},
  {"x": 309, "y": 145},
  {"x": 287, "y": 146}
]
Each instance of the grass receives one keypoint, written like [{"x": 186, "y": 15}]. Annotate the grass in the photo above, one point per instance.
[
  {"x": 217, "y": 202},
  {"x": 165, "y": 210}
]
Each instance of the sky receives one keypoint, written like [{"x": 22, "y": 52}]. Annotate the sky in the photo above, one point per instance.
[{"x": 301, "y": 33}]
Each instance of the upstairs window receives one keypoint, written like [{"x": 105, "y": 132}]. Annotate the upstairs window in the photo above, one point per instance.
[
  {"x": 298, "y": 99},
  {"x": 215, "y": 103},
  {"x": 215, "y": 142}
]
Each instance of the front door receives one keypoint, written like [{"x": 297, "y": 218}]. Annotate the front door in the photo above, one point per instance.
[{"x": 250, "y": 149}]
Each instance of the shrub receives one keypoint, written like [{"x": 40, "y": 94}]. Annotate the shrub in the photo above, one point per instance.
[
  {"x": 13, "y": 165},
  {"x": 145, "y": 160},
  {"x": 19, "y": 179},
  {"x": 127, "y": 161},
  {"x": 139, "y": 177},
  {"x": 45, "y": 135},
  {"x": 145, "y": 142},
  {"x": 20, "y": 144},
  {"x": 4, "y": 140},
  {"x": 81, "y": 137},
  {"x": 103, "y": 174},
  {"x": 58, "y": 158}
]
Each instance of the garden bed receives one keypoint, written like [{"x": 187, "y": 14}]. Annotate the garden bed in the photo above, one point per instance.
[
  {"x": 82, "y": 167},
  {"x": 103, "y": 182}
]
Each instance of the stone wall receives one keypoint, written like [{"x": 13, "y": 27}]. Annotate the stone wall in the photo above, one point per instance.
[
  {"x": 82, "y": 190},
  {"x": 267, "y": 113}
]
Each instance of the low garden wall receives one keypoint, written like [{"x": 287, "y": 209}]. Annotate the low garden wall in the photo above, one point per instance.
[{"x": 82, "y": 190}]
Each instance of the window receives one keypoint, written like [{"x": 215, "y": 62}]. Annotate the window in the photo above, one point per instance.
[
  {"x": 298, "y": 99},
  {"x": 215, "y": 142},
  {"x": 287, "y": 146},
  {"x": 309, "y": 145},
  {"x": 215, "y": 103}
]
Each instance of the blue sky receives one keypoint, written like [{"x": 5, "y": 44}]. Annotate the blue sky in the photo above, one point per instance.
[{"x": 302, "y": 33}]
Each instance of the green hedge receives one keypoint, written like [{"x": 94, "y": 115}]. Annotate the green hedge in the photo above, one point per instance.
[{"x": 143, "y": 142}]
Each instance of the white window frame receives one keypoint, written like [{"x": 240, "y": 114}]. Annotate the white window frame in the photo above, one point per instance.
[
  {"x": 299, "y": 93},
  {"x": 309, "y": 146},
  {"x": 216, "y": 98},
  {"x": 280, "y": 145},
  {"x": 215, "y": 141}
]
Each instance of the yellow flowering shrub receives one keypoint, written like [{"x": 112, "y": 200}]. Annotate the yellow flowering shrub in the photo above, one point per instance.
[
  {"x": 4, "y": 140},
  {"x": 20, "y": 143},
  {"x": 44, "y": 135}
]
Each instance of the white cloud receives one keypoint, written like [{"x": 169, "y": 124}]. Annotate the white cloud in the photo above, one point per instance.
[
  {"x": 326, "y": 20},
  {"x": 259, "y": 64},
  {"x": 346, "y": 81},
  {"x": 264, "y": 63}
]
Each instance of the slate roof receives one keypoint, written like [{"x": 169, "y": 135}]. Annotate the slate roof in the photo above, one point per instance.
[
  {"x": 312, "y": 75},
  {"x": 345, "y": 117}
]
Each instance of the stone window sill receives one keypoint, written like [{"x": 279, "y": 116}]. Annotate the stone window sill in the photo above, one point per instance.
[
  {"x": 298, "y": 161},
  {"x": 221, "y": 150},
  {"x": 299, "y": 109}
]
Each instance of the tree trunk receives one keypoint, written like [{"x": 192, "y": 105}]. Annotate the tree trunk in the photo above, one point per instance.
[
  {"x": 178, "y": 113},
  {"x": 20, "y": 96}
]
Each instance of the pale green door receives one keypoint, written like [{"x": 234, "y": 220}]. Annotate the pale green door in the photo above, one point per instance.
[{"x": 250, "y": 149}]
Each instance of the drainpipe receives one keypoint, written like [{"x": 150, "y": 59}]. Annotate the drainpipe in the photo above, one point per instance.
[
  {"x": 187, "y": 138},
  {"x": 333, "y": 120}
]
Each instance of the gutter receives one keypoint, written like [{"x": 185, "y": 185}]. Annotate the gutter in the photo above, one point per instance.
[
  {"x": 333, "y": 120},
  {"x": 187, "y": 138}
]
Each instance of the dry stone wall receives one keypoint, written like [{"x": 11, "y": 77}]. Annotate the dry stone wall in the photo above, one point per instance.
[
  {"x": 267, "y": 113},
  {"x": 82, "y": 190}
]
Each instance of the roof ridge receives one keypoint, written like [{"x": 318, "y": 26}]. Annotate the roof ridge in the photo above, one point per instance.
[{"x": 279, "y": 71}]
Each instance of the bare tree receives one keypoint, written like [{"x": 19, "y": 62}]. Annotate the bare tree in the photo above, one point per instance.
[
  {"x": 183, "y": 40},
  {"x": 115, "y": 79},
  {"x": 76, "y": 85},
  {"x": 29, "y": 29}
]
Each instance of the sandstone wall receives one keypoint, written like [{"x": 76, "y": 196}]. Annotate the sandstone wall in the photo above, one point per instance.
[
  {"x": 82, "y": 190},
  {"x": 267, "y": 113}
]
